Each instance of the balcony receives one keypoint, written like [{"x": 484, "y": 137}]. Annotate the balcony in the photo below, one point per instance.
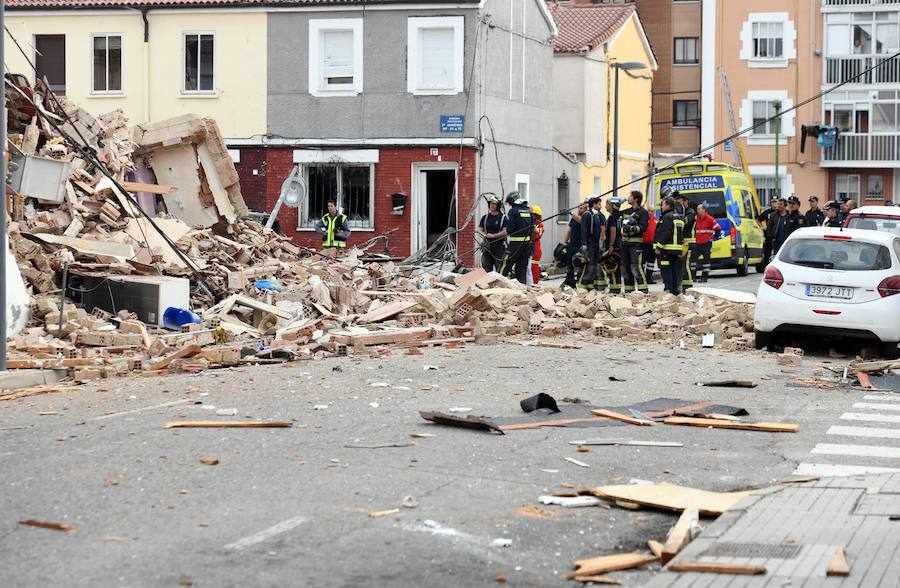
[
  {"x": 863, "y": 150},
  {"x": 838, "y": 69},
  {"x": 827, "y": 3}
]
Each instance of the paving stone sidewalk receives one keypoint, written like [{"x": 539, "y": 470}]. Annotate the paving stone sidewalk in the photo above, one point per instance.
[{"x": 794, "y": 531}]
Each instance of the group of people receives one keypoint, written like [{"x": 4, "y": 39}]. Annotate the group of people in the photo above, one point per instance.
[
  {"x": 511, "y": 242},
  {"x": 783, "y": 218}
]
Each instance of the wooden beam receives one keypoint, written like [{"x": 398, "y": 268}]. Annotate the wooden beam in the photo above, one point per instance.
[
  {"x": 679, "y": 535},
  {"x": 596, "y": 566},
  {"x": 714, "y": 568},
  {"x": 188, "y": 351},
  {"x": 228, "y": 424},
  {"x": 655, "y": 547},
  {"x": 720, "y": 424},
  {"x": 151, "y": 188},
  {"x": 838, "y": 565},
  {"x": 602, "y": 412}
]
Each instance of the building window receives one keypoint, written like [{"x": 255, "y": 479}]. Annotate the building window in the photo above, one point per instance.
[
  {"x": 50, "y": 60},
  {"x": 350, "y": 185},
  {"x": 763, "y": 111},
  {"x": 686, "y": 50},
  {"x": 434, "y": 64},
  {"x": 199, "y": 63},
  {"x": 756, "y": 110},
  {"x": 107, "y": 64},
  {"x": 846, "y": 187},
  {"x": 875, "y": 187},
  {"x": 523, "y": 183},
  {"x": 765, "y": 189},
  {"x": 562, "y": 198},
  {"x": 684, "y": 113},
  {"x": 768, "y": 40},
  {"x": 336, "y": 57}
]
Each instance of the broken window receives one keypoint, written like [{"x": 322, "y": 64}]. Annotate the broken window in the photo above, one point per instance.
[
  {"x": 50, "y": 60},
  {"x": 107, "y": 64},
  {"x": 199, "y": 62},
  {"x": 350, "y": 185}
]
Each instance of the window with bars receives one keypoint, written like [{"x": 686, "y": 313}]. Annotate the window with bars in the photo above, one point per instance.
[
  {"x": 846, "y": 187},
  {"x": 765, "y": 189},
  {"x": 107, "y": 64},
  {"x": 768, "y": 40},
  {"x": 350, "y": 185},
  {"x": 686, "y": 50},
  {"x": 685, "y": 113},
  {"x": 199, "y": 63}
]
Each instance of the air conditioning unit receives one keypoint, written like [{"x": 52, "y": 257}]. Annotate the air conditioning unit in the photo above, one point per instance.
[{"x": 146, "y": 296}]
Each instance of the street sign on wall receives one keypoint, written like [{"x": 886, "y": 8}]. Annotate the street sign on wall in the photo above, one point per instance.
[{"x": 452, "y": 123}]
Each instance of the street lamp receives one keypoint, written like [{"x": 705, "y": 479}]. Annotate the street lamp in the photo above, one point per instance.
[{"x": 627, "y": 65}]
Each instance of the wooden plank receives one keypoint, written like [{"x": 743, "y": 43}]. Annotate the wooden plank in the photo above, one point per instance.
[
  {"x": 713, "y": 568},
  {"x": 838, "y": 565},
  {"x": 874, "y": 366},
  {"x": 551, "y": 423},
  {"x": 228, "y": 424},
  {"x": 679, "y": 535},
  {"x": 621, "y": 417},
  {"x": 655, "y": 547},
  {"x": 672, "y": 497},
  {"x": 140, "y": 187},
  {"x": 48, "y": 525},
  {"x": 721, "y": 424},
  {"x": 387, "y": 311},
  {"x": 189, "y": 351},
  {"x": 609, "y": 563}
]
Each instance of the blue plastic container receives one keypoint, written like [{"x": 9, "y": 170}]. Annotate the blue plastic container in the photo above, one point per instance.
[{"x": 174, "y": 317}]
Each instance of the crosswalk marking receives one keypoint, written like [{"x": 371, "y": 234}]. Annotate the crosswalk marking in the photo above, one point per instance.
[
  {"x": 857, "y": 450},
  {"x": 881, "y": 397},
  {"x": 864, "y": 432},
  {"x": 827, "y": 469},
  {"x": 875, "y": 406},
  {"x": 872, "y": 418}
]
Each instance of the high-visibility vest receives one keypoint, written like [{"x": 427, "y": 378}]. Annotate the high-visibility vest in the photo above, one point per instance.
[{"x": 332, "y": 225}]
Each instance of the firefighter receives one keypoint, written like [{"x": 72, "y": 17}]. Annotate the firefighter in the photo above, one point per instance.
[
  {"x": 589, "y": 252},
  {"x": 668, "y": 243},
  {"x": 334, "y": 228},
  {"x": 492, "y": 247},
  {"x": 536, "y": 235},
  {"x": 573, "y": 244},
  {"x": 610, "y": 260},
  {"x": 690, "y": 219},
  {"x": 706, "y": 230},
  {"x": 649, "y": 254},
  {"x": 517, "y": 227},
  {"x": 634, "y": 222}
]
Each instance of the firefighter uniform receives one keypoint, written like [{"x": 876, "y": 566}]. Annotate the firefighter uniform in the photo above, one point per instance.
[
  {"x": 669, "y": 244},
  {"x": 537, "y": 252},
  {"x": 334, "y": 231},
  {"x": 690, "y": 240},
  {"x": 614, "y": 249},
  {"x": 632, "y": 262},
  {"x": 706, "y": 230},
  {"x": 518, "y": 225},
  {"x": 649, "y": 253}
]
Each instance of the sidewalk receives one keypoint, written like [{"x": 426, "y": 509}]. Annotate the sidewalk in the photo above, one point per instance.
[{"x": 794, "y": 531}]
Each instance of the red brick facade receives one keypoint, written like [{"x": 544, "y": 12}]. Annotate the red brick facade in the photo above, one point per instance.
[{"x": 393, "y": 173}]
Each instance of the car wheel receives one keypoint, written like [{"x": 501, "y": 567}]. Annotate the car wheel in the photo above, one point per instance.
[
  {"x": 762, "y": 340},
  {"x": 744, "y": 267},
  {"x": 890, "y": 350}
]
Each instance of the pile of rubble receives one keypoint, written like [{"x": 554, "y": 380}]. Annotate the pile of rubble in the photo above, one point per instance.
[{"x": 101, "y": 278}]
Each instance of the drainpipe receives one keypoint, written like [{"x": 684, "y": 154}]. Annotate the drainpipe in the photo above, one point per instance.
[
  {"x": 777, "y": 105},
  {"x": 145, "y": 111}
]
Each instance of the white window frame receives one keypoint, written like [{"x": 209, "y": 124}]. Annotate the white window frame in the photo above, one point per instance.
[
  {"x": 413, "y": 26},
  {"x": 849, "y": 179},
  {"x": 788, "y": 128},
  {"x": 788, "y": 42},
  {"x": 120, "y": 92},
  {"x": 526, "y": 180},
  {"x": 317, "y": 86},
  {"x": 184, "y": 90}
]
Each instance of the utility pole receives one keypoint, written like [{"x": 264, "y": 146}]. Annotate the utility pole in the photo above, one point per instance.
[{"x": 777, "y": 105}]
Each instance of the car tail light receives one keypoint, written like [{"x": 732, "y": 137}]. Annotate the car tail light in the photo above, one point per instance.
[
  {"x": 889, "y": 286},
  {"x": 828, "y": 312},
  {"x": 841, "y": 237},
  {"x": 774, "y": 278},
  {"x": 733, "y": 236}
]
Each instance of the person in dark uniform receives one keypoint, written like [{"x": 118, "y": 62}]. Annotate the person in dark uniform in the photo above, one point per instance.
[
  {"x": 590, "y": 245},
  {"x": 814, "y": 216},
  {"x": 517, "y": 227},
  {"x": 573, "y": 243},
  {"x": 613, "y": 246},
  {"x": 832, "y": 215},
  {"x": 669, "y": 243},
  {"x": 690, "y": 240},
  {"x": 493, "y": 247},
  {"x": 333, "y": 228},
  {"x": 634, "y": 222},
  {"x": 794, "y": 219}
]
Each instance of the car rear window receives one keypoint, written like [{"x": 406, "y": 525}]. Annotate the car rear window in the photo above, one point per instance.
[
  {"x": 712, "y": 201},
  {"x": 836, "y": 254},
  {"x": 891, "y": 225}
]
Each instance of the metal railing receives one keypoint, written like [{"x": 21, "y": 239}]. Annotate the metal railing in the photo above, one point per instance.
[
  {"x": 864, "y": 147},
  {"x": 858, "y": 2},
  {"x": 838, "y": 69}
]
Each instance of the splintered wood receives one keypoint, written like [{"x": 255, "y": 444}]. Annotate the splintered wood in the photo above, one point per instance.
[
  {"x": 672, "y": 497},
  {"x": 596, "y": 566}
]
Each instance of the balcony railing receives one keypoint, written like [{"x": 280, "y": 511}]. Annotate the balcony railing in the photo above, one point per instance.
[
  {"x": 839, "y": 69},
  {"x": 858, "y": 2},
  {"x": 864, "y": 147}
]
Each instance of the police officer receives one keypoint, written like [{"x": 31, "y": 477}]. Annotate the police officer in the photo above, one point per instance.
[
  {"x": 634, "y": 223},
  {"x": 334, "y": 228},
  {"x": 517, "y": 227},
  {"x": 668, "y": 243},
  {"x": 832, "y": 215},
  {"x": 609, "y": 262},
  {"x": 493, "y": 247},
  {"x": 573, "y": 243},
  {"x": 690, "y": 240}
]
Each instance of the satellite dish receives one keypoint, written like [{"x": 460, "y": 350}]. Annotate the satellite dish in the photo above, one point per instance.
[{"x": 294, "y": 189}]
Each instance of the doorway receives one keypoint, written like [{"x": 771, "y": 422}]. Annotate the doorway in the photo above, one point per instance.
[{"x": 435, "y": 204}]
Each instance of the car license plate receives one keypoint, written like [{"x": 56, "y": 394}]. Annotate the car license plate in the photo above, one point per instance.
[{"x": 823, "y": 291}]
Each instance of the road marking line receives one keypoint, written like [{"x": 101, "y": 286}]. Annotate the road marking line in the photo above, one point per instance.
[
  {"x": 163, "y": 405},
  {"x": 881, "y": 397},
  {"x": 266, "y": 534},
  {"x": 826, "y": 469},
  {"x": 858, "y": 450},
  {"x": 864, "y": 432},
  {"x": 872, "y": 406},
  {"x": 872, "y": 418}
]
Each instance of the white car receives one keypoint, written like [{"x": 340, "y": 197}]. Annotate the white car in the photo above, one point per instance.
[
  {"x": 832, "y": 282},
  {"x": 874, "y": 218}
]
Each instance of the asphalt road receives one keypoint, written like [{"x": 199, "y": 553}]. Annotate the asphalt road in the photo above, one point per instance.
[{"x": 290, "y": 507}]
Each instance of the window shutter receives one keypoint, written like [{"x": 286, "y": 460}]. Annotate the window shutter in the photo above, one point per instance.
[
  {"x": 436, "y": 55},
  {"x": 337, "y": 57}
]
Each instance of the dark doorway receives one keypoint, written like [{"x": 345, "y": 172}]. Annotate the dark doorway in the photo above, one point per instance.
[
  {"x": 441, "y": 204},
  {"x": 50, "y": 60}
]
